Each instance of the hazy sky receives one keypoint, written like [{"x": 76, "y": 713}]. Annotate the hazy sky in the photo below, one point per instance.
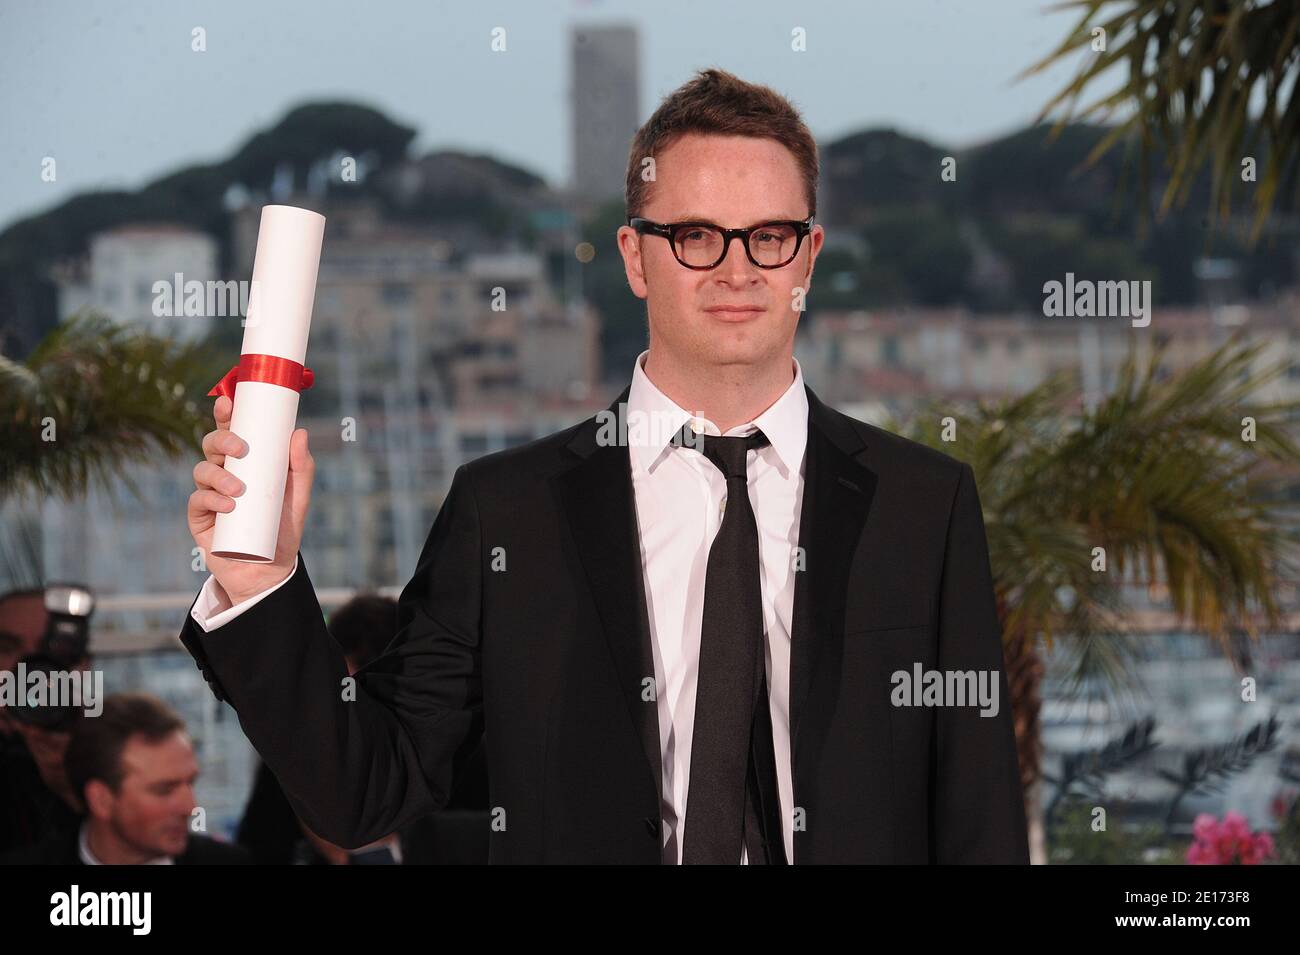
[{"x": 115, "y": 94}]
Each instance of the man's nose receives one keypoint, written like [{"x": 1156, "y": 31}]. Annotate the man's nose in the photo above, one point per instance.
[{"x": 736, "y": 267}]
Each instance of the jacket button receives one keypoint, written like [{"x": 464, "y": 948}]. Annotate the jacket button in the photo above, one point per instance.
[{"x": 651, "y": 826}]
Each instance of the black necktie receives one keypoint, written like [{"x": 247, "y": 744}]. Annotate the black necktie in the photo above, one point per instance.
[{"x": 732, "y": 795}]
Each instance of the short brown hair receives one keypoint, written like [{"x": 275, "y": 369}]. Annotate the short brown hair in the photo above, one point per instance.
[
  {"x": 95, "y": 749},
  {"x": 719, "y": 103}
]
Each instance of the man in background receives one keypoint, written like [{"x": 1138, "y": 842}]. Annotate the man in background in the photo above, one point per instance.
[
  {"x": 36, "y": 799},
  {"x": 134, "y": 770}
]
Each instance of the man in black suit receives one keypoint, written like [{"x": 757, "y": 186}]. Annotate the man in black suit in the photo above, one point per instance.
[
  {"x": 640, "y": 652},
  {"x": 133, "y": 768}
]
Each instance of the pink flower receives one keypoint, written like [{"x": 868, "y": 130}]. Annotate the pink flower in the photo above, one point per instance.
[
  {"x": 1235, "y": 824},
  {"x": 1262, "y": 848},
  {"x": 1204, "y": 827},
  {"x": 1200, "y": 854},
  {"x": 1216, "y": 843}
]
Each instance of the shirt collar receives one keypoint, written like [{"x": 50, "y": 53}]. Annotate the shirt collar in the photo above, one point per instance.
[
  {"x": 88, "y": 857},
  {"x": 785, "y": 422}
]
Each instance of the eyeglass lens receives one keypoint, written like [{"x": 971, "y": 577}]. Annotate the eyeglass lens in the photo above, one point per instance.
[{"x": 770, "y": 245}]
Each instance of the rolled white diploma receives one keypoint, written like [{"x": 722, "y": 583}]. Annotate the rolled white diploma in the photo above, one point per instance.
[{"x": 265, "y": 415}]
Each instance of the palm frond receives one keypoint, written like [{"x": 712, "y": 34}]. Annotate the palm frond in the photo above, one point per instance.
[
  {"x": 1158, "y": 476},
  {"x": 93, "y": 396},
  {"x": 1194, "y": 70}
]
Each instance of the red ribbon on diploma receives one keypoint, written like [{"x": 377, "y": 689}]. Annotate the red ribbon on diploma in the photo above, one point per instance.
[{"x": 271, "y": 369}]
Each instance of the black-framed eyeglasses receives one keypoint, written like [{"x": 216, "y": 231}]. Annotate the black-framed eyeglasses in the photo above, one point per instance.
[{"x": 703, "y": 245}]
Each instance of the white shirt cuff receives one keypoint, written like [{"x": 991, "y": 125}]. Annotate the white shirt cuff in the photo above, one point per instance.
[{"x": 208, "y": 601}]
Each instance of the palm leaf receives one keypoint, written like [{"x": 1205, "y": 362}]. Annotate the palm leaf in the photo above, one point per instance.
[
  {"x": 1156, "y": 474},
  {"x": 107, "y": 394},
  {"x": 1194, "y": 68}
]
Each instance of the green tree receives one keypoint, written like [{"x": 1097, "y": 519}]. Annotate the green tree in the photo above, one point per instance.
[
  {"x": 1195, "y": 68},
  {"x": 1158, "y": 474},
  {"x": 93, "y": 396}
]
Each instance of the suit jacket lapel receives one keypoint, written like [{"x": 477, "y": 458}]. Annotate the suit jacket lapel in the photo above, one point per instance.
[
  {"x": 597, "y": 498},
  {"x": 837, "y": 495}
]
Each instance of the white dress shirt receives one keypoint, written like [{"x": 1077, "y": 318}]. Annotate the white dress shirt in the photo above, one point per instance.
[
  {"x": 208, "y": 601},
  {"x": 680, "y": 496},
  {"x": 89, "y": 858}
]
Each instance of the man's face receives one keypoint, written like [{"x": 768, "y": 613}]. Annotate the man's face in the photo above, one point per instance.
[
  {"x": 733, "y": 182},
  {"x": 25, "y": 617},
  {"x": 46, "y": 746},
  {"x": 151, "y": 809}
]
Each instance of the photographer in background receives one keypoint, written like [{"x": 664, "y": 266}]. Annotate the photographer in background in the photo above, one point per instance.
[{"x": 47, "y": 630}]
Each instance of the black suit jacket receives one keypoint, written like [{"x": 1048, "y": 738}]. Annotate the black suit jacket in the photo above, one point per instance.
[
  {"x": 526, "y": 618},
  {"x": 269, "y": 830}
]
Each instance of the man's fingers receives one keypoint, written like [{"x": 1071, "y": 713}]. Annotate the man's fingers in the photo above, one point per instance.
[
  {"x": 205, "y": 501},
  {"x": 221, "y": 411},
  {"x": 300, "y": 458},
  {"x": 207, "y": 474},
  {"x": 217, "y": 444}
]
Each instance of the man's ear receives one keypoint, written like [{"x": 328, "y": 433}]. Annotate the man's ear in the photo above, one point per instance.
[
  {"x": 815, "y": 238},
  {"x": 629, "y": 246},
  {"x": 99, "y": 799}
]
